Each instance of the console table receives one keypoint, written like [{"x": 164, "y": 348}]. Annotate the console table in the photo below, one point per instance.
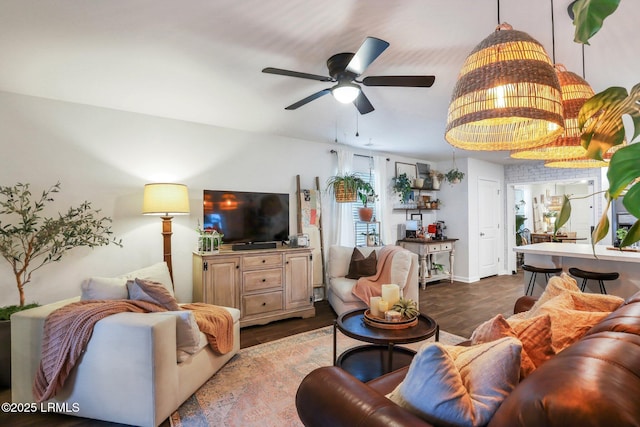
[
  {"x": 426, "y": 249},
  {"x": 265, "y": 285}
]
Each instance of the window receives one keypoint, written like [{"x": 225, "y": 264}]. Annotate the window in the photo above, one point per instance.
[{"x": 363, "y": 228}]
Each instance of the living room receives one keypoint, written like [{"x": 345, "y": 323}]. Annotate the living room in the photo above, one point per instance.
[{"x": 73, "y": 111}]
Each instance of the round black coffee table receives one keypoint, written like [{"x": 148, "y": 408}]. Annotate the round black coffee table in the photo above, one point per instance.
[{"x": 370, "y": 361}]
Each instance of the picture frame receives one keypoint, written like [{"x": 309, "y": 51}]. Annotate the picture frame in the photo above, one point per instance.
[{"x": 407, "y": 168}]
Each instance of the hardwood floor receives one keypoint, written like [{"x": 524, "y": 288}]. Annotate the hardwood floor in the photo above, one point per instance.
[{"x": 458, "y": 308}]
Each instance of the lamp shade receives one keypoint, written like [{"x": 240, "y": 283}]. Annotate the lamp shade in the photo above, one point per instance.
[
  {"x": 507, "y": 95},
  {"x": 575, "y": 92},
  {"x": 345, "y": 92},
  {"x": 165, "y": 199},
  {"x": 582, "y": 161}
]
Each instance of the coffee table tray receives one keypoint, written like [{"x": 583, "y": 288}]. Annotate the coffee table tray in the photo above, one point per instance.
[{"x": 378, "y": 322}]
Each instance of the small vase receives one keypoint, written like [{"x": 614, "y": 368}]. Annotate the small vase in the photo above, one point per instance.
[
  {"x": 436, "y": 183},
  {"x": 418, "y": 183}
]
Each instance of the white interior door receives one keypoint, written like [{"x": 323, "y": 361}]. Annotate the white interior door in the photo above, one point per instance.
[{"x": 488, "y": 226}]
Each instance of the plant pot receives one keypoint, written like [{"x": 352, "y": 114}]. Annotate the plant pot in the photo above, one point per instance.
[
  {"x": 418, "y": 182},
  {"x": 5, "y": 354},
  {"x": 344, "y": 195},
  {"x": 456, "y": 181},
  {"x": 371, "y": 240},
  {"x": 365, "y": 214},
  {"x": 436, "y": 183}
]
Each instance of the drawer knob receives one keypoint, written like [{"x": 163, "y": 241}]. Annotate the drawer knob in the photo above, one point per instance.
[
  {"x": 264, "y": 280},
  {"x": 264, "y": 260},
  {"x": 264, "y": 303}
]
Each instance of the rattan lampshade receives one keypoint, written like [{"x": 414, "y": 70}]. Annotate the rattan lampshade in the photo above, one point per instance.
[
  {"x": 582, "y": 161},
  {"x": 507, "y": 96},
  {"x": 575, "y": 92}
]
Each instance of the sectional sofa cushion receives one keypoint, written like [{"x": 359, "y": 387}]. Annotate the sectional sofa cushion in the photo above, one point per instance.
[{"x": 458, "y": 385}]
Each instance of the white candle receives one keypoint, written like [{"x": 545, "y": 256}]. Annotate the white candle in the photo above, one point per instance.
[
  {"x": 391, "y": 294},
  {"x": 373, "y": 305},
  {"x": 383, "y": 306}
]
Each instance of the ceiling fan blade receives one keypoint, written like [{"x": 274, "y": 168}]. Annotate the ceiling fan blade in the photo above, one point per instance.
[
  {"x": 308, "y": 99},
  {"x": 362, "y": 103},
  {"x": 406, "y": 81},
  {"x": 280, "y": 71},
  {"x": 370, "y": 49}
]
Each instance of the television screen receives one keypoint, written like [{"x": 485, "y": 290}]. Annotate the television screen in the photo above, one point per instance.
[{"x": 246, "y": 217}]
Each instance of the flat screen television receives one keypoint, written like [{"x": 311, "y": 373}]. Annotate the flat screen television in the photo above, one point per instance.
[{"x": 247, "y": 217}]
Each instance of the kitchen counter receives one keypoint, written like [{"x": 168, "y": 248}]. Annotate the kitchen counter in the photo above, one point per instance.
[{"x": 566, "y": 255}]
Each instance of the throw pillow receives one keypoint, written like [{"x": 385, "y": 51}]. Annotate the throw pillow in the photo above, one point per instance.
[
  {"x": 534, "y": 334},
  {"x": 568, "y": 325},
  {"x": 187, "y": 333},
  {"x": 457, "y": 385},
  {"x": 106, "y": 288},
  {"x": 361, "y": 266},
  {"x": 154, "y": 292},
  {"x": 101, "y": 288},
  {"x": 158, "y": 272}
]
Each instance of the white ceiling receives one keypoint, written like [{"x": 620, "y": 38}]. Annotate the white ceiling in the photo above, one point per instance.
[{"x": 201, "y": 60}]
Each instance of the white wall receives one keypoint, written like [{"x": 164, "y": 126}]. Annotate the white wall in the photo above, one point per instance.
[{"x": 106, "y": 156}]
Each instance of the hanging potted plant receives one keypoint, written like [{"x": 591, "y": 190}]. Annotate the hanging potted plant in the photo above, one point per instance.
[
  {"x": 402, "y": 186},
  {"x": 367, "y": 195},
  {"x": 344, "y": 187},
  {"x": 29, "y": 242},
  {"x": 454, "y": 176}
]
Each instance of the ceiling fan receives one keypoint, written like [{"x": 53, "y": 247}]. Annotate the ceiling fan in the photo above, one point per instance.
[{"x": 345, "y": 68}]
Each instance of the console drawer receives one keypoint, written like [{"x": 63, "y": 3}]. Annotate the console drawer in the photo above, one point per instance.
[
  {"x": 445, "y": 246},
  {"x": 434, "y": 247},
  {"x": 261, "y": 261},
  {"x": 262, "y": 279},
  {"x": 262, "y": 303}
]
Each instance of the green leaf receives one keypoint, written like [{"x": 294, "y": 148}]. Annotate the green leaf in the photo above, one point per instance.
[
  {"x": 589, "y": 15},
  {"x": 600, "y": 118},
  {"x": 602, "y": 229},
  {"x": 563, "y": 216},
  {"x": 632, "y": 236},
  {"x": 624, "y": 168}
]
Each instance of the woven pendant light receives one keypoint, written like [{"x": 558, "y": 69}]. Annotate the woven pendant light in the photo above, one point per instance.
[
  {"x": 575, "y": 92},
  {"x": 507, "y": 95},
  {"x": 582, "y": 161}
]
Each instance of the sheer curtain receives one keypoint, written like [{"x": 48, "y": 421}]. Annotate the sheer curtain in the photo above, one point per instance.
[
  {"x": 380, "y": 166},
  {"x": 343, "y": 229}
]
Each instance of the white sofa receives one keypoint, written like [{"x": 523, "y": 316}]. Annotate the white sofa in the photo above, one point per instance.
[
  {"x": 404, "y": 273},
  {"x": 129, "y": 372}
]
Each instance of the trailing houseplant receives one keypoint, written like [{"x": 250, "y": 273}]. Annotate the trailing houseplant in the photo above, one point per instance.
[
  {"x": 402, "y": 186},
  {"x": 344, "y": 187},
  {"x": 601, "y": 121},
  {"x": 454, "y": 176},
  {"x": 29, "y": 241}
]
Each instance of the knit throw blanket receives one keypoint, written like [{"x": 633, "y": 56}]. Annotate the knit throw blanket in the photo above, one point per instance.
[
  {"x": 371, "y": 286},
  {"x": 68, "y": 329}
]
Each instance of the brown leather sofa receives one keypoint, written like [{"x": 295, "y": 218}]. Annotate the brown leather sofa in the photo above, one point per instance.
[{"x": 594, "y": 382}]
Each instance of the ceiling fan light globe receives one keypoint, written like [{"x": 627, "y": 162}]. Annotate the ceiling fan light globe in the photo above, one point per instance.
[{"x": 345, "y": 93}]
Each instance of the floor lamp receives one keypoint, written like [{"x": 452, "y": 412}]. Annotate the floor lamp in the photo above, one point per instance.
[{"x": 166, "y": 200}]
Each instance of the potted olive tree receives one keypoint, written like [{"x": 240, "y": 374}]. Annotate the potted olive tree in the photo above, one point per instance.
[{"x": 29, "y": 241}]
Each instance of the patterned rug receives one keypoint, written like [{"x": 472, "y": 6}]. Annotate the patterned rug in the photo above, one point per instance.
[{"x": 258, "y": 386}]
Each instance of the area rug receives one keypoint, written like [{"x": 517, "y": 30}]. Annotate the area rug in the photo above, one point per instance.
[{"x": 258, "y": 386}]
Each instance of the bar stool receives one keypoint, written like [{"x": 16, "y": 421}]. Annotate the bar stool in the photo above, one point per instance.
[
  {"x": 593, "y": 275},
  {"x": 534, "y": 273}
]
